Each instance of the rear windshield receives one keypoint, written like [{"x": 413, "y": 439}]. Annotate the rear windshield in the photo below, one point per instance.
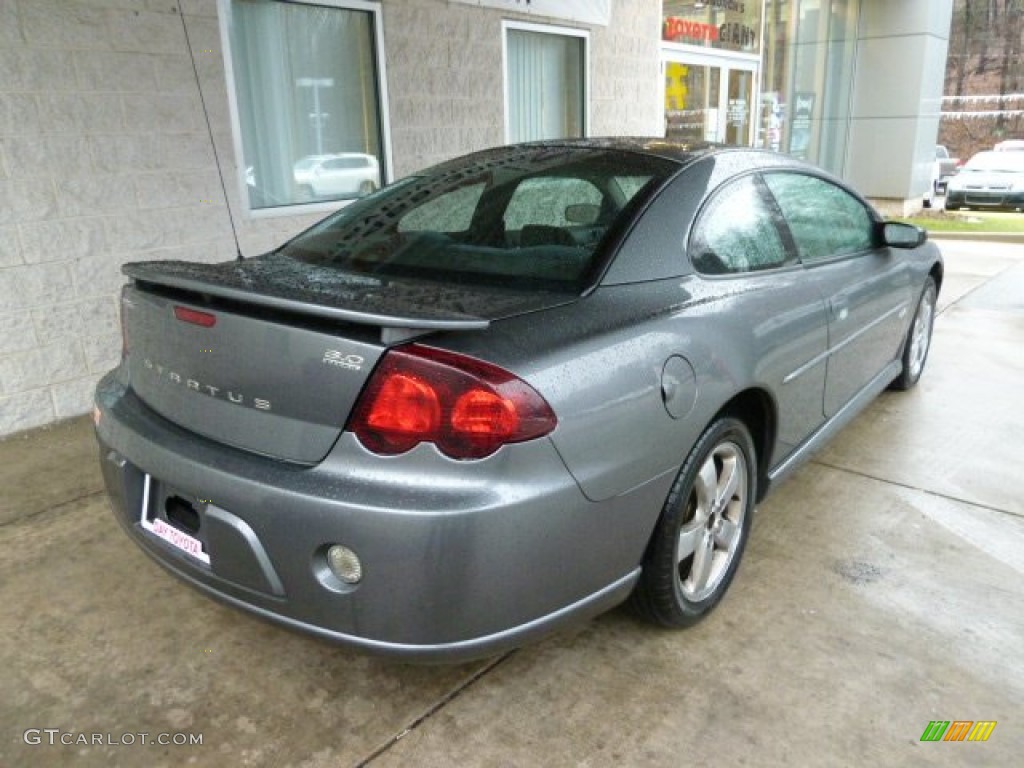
[{"x": 535, "y": 216}]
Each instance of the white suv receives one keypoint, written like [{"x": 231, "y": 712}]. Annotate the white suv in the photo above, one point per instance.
[{"x": 348, "y": 174}]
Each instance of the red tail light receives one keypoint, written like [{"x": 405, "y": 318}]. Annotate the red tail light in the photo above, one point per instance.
[
  {"x": 466, "y": 407},
  {"x": 195, "y": 317}
]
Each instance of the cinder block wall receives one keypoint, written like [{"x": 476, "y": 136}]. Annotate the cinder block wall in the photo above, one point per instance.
[
  {"x": 446, "y": 83},
  {"x": 106, "y": 157}
]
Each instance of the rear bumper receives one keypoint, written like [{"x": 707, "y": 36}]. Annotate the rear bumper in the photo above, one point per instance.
[{"x": 460, "y": 559}]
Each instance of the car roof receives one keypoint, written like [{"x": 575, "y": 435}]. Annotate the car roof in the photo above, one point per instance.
[{"x": 681, "y": 153}]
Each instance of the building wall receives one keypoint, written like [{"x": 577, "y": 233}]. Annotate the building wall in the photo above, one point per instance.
[
  {"x": 106, "y": 155},
  {"x": 901, "y": 64},
  {"x": 446, "y": 84}
]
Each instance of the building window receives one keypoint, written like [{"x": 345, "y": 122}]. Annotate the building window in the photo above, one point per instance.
[
  {"x": 306, "y": 85},
  {"x": 727, "y": 25},
  {"x": 545, "y": 82}
]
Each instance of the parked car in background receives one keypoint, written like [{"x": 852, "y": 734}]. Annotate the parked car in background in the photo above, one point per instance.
[
  {"x": 931, "y": 196},
  {"x": 1010, "y": 145},
  {"x": 347, "y": 174},
  {"x": 945, "y": 168},
  {"x": 507, "y": 393},
  {"x": 990, "y": 179}
]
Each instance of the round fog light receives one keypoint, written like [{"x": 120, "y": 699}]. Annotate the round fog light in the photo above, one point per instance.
[{"x": 344, "y": 564}]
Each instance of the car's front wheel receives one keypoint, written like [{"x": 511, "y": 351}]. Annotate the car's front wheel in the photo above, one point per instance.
[
  {"x": 700, "y": 536},
  {"x": 919, "y": 338}
]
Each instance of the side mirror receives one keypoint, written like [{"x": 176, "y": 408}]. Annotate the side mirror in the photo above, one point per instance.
[{"x": 896, "y": 234}]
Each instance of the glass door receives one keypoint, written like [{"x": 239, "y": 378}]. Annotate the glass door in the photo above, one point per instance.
[
  {"x": 708, "y": 99},
  {"x": 741, "y": 97},
  {"x": 692, "y": 102}
]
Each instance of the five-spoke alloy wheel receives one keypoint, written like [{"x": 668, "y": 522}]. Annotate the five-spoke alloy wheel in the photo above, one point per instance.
[{"x": 703, "y": 528}]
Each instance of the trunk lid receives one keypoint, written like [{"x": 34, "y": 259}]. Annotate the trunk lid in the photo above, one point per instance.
[{"x": 270, "y": 355}]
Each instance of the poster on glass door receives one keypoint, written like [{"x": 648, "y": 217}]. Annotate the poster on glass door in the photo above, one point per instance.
[{"x": 800, "y": 133}]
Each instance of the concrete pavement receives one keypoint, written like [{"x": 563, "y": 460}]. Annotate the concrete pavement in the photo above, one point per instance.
[{"x": 881, "y": 589}]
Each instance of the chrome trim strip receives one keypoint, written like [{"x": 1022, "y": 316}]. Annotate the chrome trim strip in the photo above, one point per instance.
[{"x": 832, "y": 350}]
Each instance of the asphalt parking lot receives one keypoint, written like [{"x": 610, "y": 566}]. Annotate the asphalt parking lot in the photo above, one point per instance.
[{"x": 881, "y": 590}]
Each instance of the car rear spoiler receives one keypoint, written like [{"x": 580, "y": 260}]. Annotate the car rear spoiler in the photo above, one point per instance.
[{"x": 395, "y": 325}]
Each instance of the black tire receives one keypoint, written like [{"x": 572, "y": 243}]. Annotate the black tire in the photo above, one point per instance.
[
  {"x": 919, "y": 338},
  {"x": 670, "y": 592}
]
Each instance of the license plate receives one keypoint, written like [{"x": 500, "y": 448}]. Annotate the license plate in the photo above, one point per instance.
[{"x": 190, "y": 545}]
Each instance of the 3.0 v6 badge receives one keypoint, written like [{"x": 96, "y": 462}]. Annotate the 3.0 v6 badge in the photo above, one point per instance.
[{"x": 341, "y": 360}]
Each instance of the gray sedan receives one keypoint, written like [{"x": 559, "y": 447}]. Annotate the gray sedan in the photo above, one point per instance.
[{"x": 507, "y": 393}]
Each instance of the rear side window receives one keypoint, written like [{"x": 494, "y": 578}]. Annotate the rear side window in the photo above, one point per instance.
[
  {"x": 737, "y": 232},
  {"x": 825, "y": 220}
]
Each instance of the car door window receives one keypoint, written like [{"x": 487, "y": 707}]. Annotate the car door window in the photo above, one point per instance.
[
  {"x": 543, "y": 200},
  {"x": 825, "y": 220},
  {"x": 737, "y": 232}
]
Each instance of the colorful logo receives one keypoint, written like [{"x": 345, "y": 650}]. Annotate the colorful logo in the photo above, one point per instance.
[{"x": 958, "y": 730}]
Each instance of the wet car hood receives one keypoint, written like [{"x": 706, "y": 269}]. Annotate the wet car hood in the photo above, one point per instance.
[{"x": 997, "y": 179}]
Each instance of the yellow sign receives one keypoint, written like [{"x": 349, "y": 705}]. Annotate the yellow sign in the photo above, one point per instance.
[{"x": 675, "y": 86}]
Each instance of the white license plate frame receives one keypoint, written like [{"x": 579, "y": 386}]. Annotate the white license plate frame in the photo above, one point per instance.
[{"x": 178, "y": 539}]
